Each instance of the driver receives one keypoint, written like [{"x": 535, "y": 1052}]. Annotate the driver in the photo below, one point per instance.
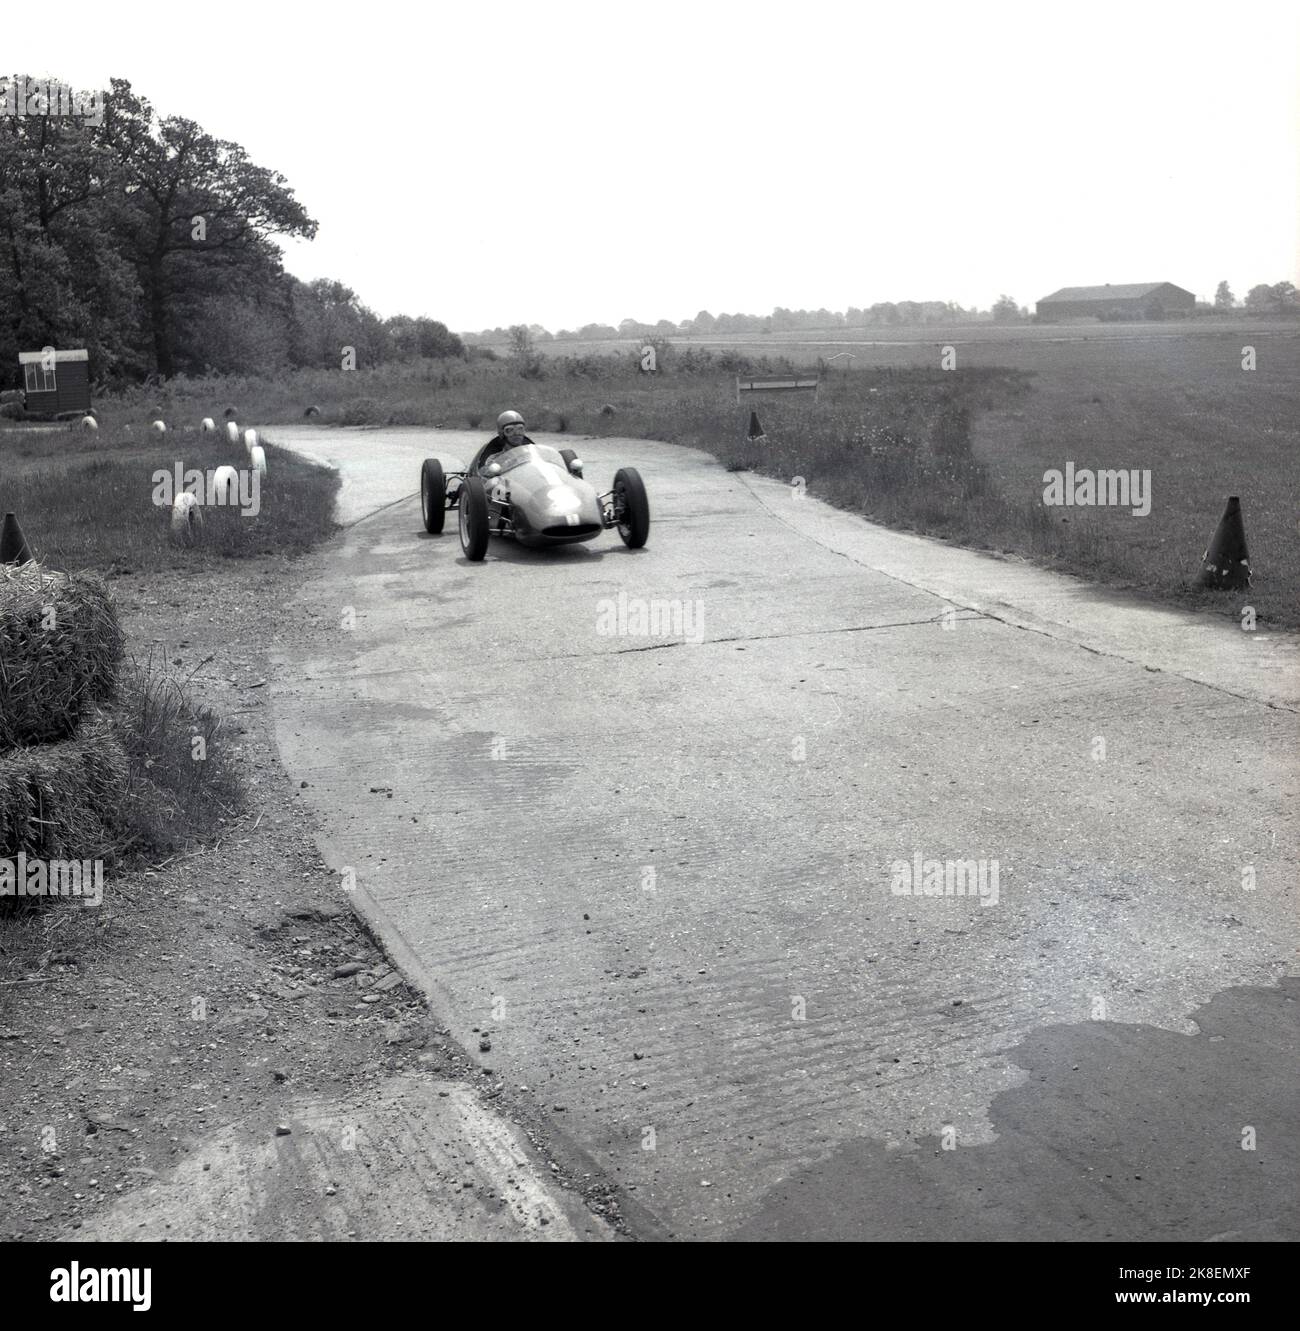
[{"x": 510, "y": 434}]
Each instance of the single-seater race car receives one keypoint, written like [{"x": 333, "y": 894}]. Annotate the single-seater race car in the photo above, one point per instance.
[{"x": 536, "y": 494}]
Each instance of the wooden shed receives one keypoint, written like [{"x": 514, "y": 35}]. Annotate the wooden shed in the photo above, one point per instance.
[{"x": 56, "y": 381}]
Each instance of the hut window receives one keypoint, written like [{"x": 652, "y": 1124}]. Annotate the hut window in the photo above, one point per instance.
[{"x": 38, "y": 378}]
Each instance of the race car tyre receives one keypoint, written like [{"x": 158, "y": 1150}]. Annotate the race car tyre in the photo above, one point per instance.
[
  {"x": 473, "y": 509},
  {"x": 632, "y": 507},
  {"x": 433, "y": 495},
  {"x": 570, "y": 457}
]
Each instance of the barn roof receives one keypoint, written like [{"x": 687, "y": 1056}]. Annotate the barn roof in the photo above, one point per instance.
[{"x": 1129, "y": 291}]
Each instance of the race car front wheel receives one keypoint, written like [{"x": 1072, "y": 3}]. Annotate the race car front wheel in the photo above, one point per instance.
[
  {"x": 631, "y": 507},
  {"x": 433, "y": 495},
  {"x": 472, "y": 506}
]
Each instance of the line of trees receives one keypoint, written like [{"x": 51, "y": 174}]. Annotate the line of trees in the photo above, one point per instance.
[
  {"x": 1280, "y": 298},
  {"x": 885, "y": 314},
  {"x": 150, "y": 243}
]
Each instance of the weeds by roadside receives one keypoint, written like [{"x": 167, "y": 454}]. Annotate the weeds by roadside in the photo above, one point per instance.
[{"x": 182, "y": 781}]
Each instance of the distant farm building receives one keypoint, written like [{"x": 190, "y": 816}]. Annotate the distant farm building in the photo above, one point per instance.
[
  {"x": 55, "y": 382},
  {"x": 1137, "y": 300}
]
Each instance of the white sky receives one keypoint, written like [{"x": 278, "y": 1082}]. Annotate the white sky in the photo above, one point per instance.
[{"x": 561, "y": 163}]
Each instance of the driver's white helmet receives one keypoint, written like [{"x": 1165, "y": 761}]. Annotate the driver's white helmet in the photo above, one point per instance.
[{"x": 509, "y": 418}]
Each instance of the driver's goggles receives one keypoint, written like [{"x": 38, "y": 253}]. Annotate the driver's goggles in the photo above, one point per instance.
[{"x": 514, "y": 429}]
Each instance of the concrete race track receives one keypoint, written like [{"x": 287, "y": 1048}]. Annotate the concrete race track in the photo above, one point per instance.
[{"x": 642, "y": 820}]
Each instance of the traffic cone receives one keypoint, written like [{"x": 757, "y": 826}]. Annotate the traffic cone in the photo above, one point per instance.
[
  {"x": 1226, "y": 564},
  {"x": 13, "y": 544},
  {"x": 756, "y": 434}
]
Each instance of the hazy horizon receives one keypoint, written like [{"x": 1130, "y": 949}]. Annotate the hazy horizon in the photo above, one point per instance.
[{"x": 575, "y": 164}]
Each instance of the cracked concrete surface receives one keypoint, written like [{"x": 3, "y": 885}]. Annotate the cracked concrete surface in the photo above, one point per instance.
[{"x": 669, "y": 880}]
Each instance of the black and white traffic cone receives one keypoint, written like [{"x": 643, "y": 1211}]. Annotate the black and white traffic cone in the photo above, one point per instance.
[
  {"x": 756, "y": 435},
  {"x": 13, "y": 544},
  {"x": 1225, "y": 564}
]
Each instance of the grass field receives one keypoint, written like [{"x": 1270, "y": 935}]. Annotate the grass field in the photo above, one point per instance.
[
  {"x": 1172, "y": 398},
  {"x": 958, "y": 454},
  {"x": 1185, "y": 410},
  {"x": 1169, "y": 398},
  {"x": 87, "y": 501},
  {"x": 903, "y": 346}
]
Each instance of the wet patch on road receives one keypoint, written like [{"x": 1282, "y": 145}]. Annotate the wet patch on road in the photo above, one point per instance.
[{"x": 1120, "y": 1132}]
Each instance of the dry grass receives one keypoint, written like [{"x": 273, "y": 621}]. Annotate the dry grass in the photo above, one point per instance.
[
  {"x": 95, "y": 765},
  {"x": 144, "y": 777},
  {"x": 180, "y": 780},
  {"x": 60, "y": 646},
  {"x": 65, "y": 800}
]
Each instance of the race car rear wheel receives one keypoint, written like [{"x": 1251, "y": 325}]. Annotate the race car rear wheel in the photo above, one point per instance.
[
  {"x": 473, "y": 509},
  {"x": 433, "y": 495},
  {"x": 631, "y": 507}
]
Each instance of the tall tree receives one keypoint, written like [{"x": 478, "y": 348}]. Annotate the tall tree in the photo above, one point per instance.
[
  {"x": 1280, "y": 298},
  {"x": 1005, "y": 310},
  {"x": 1285, "y": 297},
  {"x": 62, "y": 279},
  {"x": 195, "y": 214}
]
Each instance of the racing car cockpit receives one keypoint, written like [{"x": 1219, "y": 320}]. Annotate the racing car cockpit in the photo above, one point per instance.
[{"x": 518, "y": 454}]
